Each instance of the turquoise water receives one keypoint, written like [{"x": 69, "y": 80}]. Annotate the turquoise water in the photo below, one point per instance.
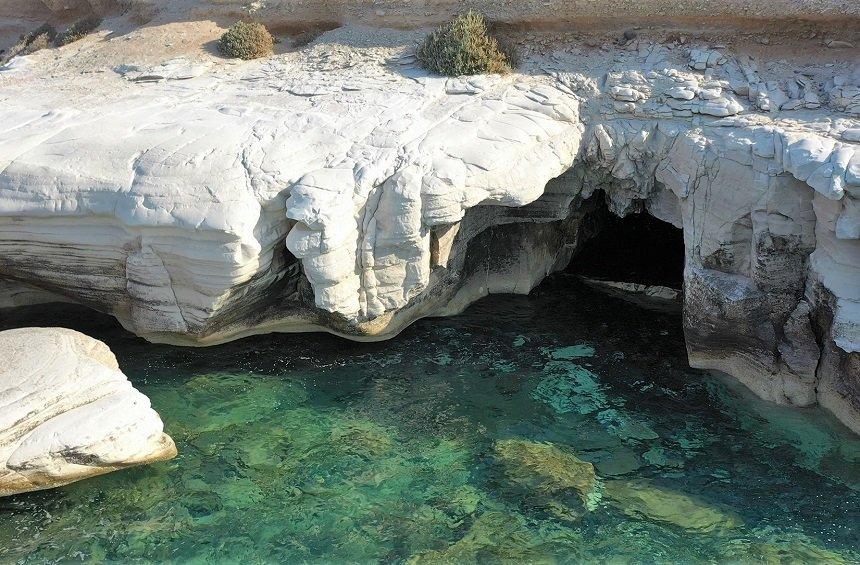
[{"x": 563, "y": 426}]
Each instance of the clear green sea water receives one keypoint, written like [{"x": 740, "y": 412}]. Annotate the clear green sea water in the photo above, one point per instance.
[{"x": 563, "y": 426}]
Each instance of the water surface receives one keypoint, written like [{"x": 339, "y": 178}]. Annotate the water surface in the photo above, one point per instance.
[{"x": 557, "y": 427}]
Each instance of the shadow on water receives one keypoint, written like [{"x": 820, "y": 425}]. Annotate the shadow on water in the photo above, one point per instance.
[{"x": 463, "y": 439}]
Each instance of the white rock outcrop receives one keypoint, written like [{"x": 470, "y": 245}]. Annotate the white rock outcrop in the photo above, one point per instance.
[
  {"x": 341, "y": 188},
  {"x": 771, "y": 287},
  {"x": 67, "y": 412}
]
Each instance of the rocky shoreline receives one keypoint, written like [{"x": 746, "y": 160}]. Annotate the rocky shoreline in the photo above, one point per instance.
[{"x": 340, "y": 187}]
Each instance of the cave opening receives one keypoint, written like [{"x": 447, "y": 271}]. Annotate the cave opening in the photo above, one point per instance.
[{"x": 637, "y": 248}]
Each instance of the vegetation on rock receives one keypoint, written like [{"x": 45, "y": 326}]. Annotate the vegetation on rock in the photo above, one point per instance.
[
  {"x": 463, "y": 46},
  {"x": 46, "y": 36},
  {"x": 78, "y": 30},
  {"x": 247, "y": 40},
  {"x": 40, "y": 38}
]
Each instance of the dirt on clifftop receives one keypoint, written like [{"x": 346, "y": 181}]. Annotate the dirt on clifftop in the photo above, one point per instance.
[{"x": 739, "y": 13}]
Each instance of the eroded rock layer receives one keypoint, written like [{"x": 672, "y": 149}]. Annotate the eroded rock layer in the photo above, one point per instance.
[
  {"x": 67, "y": 412},
  {"x": 341, "y": 188}
]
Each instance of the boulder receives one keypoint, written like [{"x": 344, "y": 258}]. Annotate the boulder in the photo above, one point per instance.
[{"x": 67, "y": 412}]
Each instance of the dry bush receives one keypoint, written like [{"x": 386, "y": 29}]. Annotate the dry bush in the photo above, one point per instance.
[
  {"x": 463, "y": 46},
  {"x": 78, "y": 30},
  {"x": 246, "y": 40},
  {"x": 40, "y": 38},
  {"x": 41, "y": 41}
]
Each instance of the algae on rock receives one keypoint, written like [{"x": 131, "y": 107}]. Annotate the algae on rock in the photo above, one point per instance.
[
  {"x": 641, "y": 499},
  {"x": 548, "y": 469}
]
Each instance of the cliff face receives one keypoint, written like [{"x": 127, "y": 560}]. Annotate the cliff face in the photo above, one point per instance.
[
  {"x": 771, "y": 274},
  {"x": 410, "y": 12},
  {"x": 338, "y": 187}
]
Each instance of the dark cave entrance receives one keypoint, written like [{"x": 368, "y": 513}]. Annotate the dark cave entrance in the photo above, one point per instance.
[{"x": 638, "y": 248}]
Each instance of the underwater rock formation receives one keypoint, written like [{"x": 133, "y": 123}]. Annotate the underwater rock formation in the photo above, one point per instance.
[
  {"x": 641, "y": 499},
  {"x": 341, "y": 188},
  {"x": 494, "y": 536},
  {"x": 67, "y": 412},
  {"x": 548, "y": 470}
]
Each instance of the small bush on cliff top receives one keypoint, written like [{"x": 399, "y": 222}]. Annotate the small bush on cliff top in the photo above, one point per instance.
[
  {"x": 463, "y": 46},
  {"x": 78, "y": 30},
  {"x": 247, "y": 41}
]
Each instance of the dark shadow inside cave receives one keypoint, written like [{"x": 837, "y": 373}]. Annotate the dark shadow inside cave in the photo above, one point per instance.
[{"x": 638, "y": 248}]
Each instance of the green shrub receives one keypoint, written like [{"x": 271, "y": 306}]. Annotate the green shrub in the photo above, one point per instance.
[
  {"x": 78, "y": 30},
  {"x": 463, "y": 46},
  {"x": 246, "y": 41}
]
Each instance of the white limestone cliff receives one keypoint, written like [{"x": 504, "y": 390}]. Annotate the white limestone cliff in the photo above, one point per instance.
[
  {"x": 68, "y": 413},
  {"x": 771, "y": 286},
  {"x": 339, "y": 187}
]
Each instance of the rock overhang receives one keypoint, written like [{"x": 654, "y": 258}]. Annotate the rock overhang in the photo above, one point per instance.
[{"x": 177, "y": 201}]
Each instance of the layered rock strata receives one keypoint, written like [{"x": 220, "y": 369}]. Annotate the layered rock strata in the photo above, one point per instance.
[
  {"x": 341, "y": 188},
  {"x": 434, "y": 11},
  {"x": 67, "y": 412}
]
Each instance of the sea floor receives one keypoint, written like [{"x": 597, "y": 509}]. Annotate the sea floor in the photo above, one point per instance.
[{"x": 563, "y": 426}]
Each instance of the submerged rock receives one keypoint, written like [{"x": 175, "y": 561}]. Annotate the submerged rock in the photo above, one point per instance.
[
  {"x": 770, "y": 546},
  {"x": 570, "y": 388},
  {"x": 641, "y": 499},
  {"x": 619, "y": 461},
  {"x": 67, "y": 412},
  {"x": 548, "y": 469},
  {"x": 573, "y": 352},
  {"x": 659, "y": 457},
  {"x": 624, "y": 426},
  {"x": 499, "y": 537},
  {"x": 362, "y": 438}
]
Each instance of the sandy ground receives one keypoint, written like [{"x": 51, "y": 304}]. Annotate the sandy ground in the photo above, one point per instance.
[
  {"x": 125, "y": 38},
  {"x": 85, "y": 70},
  {"x": 781, "y": 22}
]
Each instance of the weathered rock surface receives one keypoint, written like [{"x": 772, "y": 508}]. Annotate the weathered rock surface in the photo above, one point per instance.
[
  {"x": 400, "y": 11},
  {"x": 341, "y": 188},
  {"x": 68, "y": 413},
  {"x": 653, "y": 297}
]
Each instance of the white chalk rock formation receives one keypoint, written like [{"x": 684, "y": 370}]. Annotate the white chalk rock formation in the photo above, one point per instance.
[
  {"x": 341, "y": 188},
  {"x": 771, "y": 286},
  {"x": 68, "y": 413}
]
